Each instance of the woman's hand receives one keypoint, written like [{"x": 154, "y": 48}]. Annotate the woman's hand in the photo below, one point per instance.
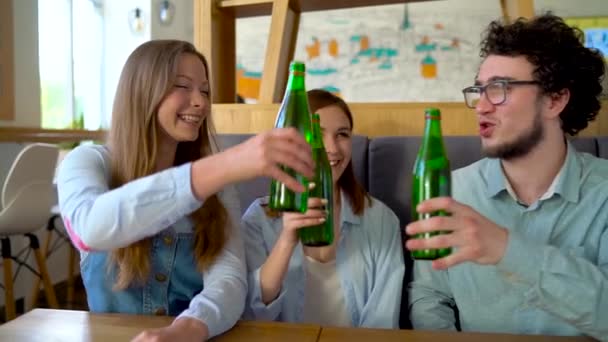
[
  {"x": 182, "y": 330},
  {"x": 316, "y": 214},
  {"x": 275, "y": 267},
  {"x": 263, "y": 154}
]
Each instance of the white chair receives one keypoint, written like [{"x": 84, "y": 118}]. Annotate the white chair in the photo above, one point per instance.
[
  {"x": 56, "y": 238},
  {"x": 27, "y": 198}
]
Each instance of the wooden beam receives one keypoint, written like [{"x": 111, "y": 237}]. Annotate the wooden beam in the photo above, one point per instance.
[
  {"x": 252, "y": 8},
  {"x": 371, "y": 119},
  {"x": 7, "y": 66},
  {"x": 514, "y": 9},
  {"x": 279, "y": 51},
  {"x": 375, "y": 119},
  {"x": 239, "y": 3},
  {"x": 215, "y": 37}
]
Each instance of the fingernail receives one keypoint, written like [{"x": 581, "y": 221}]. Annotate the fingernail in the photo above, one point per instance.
[
  {"x": 324, "y": 201},
  {"x": 311, "y": 185},
  {"x": 322, "y": 219}
]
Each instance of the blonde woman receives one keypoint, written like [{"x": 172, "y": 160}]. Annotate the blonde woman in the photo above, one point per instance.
[{"x": 150, "y": 211}]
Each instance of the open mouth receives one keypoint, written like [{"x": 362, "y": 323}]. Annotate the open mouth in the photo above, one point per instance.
[
  {"x": 486, "y": 129},
  {"x": 191, "y": 119},
  {"x": 333, "y": 163}
]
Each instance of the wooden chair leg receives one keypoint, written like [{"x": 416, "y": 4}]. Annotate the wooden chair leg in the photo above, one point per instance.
[
  {"x": 9, "y": 297},
  {"x": 45, "y": 249},
  {"x": 44, "y": 274},
  {"x": 72, "y": 260}
]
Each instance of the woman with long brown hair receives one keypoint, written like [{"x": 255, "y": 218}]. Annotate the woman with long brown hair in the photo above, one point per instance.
[
  {"x": 357, "y": 280},
  {"x": 151, "y": 211}
]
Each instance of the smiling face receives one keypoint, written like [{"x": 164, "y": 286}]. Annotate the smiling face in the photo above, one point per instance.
[
  {"x": 511, "y": 129},
  {"x": 337, "y": 138},
  {"x": 183, "y": 109}
]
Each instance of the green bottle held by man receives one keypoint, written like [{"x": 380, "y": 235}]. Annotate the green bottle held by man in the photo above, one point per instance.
[
  {"x": 431, "y": 178},
  {"x": 294, "y": 112},
  {"x": 322, "y": 234}
]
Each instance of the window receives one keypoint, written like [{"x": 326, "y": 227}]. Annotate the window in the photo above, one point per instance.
[{"x": 71, "y": 63}]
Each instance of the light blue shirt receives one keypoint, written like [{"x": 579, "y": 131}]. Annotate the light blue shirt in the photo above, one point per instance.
[
  {"x": 369, "y": 263},
  {"x": 553, "y": 278},
  {"x": 99, "y": 220}
]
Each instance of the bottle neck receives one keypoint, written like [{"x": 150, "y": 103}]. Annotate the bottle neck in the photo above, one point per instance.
[
  {"x": 432, "y": 126},
  {"x": 317, "y": 140},
  {"x": 432, "y": 142},
  {"x": 296, "y": 80}
]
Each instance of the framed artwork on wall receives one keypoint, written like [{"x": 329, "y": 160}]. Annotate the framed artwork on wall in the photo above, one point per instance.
[{"x": 410, "y": 52}]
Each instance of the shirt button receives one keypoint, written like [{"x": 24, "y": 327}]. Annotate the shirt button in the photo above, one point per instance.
[
  {"x": 160, "y": 311},
  {"x": 168, "y": 240},
  {"x": 160, "y": 277}
]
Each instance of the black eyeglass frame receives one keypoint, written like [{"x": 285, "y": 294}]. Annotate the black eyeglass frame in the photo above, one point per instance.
[{"x": 480, "y": 90}]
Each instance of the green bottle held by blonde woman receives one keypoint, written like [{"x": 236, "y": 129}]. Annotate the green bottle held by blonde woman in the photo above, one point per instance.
[
  {"x": 294, "y": 112},
  {"x": 431, "y": 178},
  {"x": 322, "y": 234}
]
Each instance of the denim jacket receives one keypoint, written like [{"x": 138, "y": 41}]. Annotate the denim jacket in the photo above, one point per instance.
[
  {"x": 369, "y": 263},
  {"x": 100, "y": 220}
]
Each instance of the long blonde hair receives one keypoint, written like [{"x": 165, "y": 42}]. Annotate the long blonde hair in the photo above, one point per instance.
[{"x": 147, "y": 77}]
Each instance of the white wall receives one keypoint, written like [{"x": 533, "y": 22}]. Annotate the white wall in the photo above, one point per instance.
[
  {"x": 119, "y": 42},
  {"x": 27, "y": 78},
  {"x": 182, "y": 26}
]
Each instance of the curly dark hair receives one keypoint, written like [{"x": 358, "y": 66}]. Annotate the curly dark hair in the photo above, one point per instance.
[{"x": 560, "y": 59}]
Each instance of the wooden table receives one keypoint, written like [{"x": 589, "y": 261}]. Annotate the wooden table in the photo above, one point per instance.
[
  {"x": 385, "y": 335},
  {"x": 65, "y": 325}
]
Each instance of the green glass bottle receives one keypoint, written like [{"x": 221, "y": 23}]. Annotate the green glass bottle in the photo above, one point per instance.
[
  {"x": 322, "y": 234},
  {"x": 431, "y": 178},
  {"x": 294, "y": 112}
]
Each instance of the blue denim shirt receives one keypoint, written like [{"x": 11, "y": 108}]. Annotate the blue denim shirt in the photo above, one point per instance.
[
  {"x": 99, "y": 220},
  {"x": 553, "y": 278},
  {"x": 369, "y": 263}
]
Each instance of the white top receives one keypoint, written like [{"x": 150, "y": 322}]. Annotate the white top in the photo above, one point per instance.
[
  {"x": 324, "y": 303},
  {"x": 548, "y": 194}
]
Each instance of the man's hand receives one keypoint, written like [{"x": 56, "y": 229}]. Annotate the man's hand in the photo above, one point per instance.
[{"x": 473, "y": 237}]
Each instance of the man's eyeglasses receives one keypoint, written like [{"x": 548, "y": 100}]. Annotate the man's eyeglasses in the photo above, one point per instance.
[{"x": 496, "y": 91}]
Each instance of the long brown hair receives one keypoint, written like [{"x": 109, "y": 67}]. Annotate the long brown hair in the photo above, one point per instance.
[
  {"x": 320, "y": 98},
  {"x": 147, "y": 77}
]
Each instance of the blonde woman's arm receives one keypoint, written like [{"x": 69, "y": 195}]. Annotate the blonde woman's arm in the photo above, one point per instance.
[{"x": 221, "y": 302}]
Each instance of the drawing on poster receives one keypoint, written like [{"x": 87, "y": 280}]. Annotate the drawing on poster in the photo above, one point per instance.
[{"x": 389, "y": 53}]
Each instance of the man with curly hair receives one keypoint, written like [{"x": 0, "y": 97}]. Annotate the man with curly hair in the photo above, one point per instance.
[{"x": 528, "y": 224}]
